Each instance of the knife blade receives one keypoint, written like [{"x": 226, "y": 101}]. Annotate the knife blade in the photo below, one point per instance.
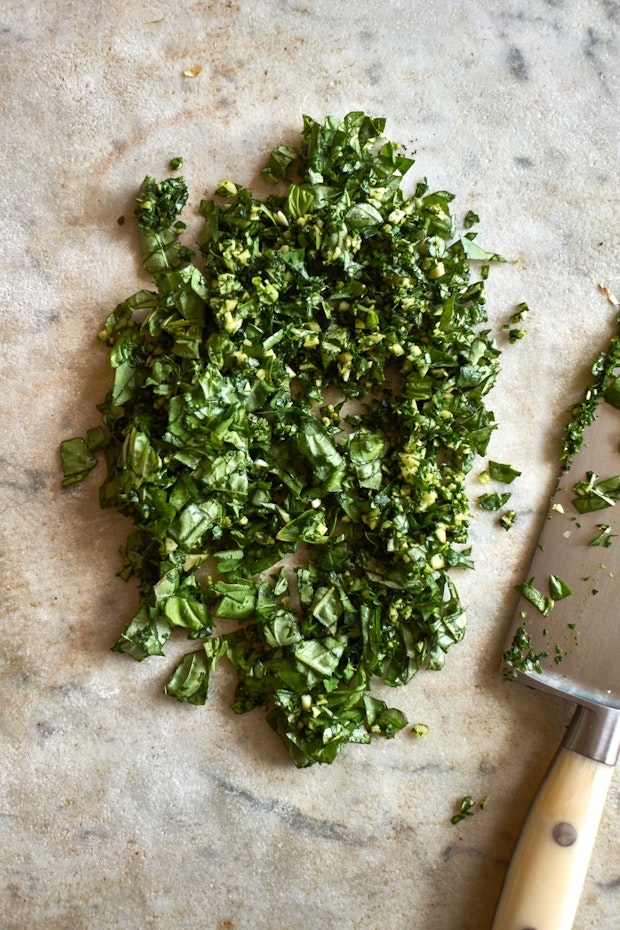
[{"x": 565, "y": 641}]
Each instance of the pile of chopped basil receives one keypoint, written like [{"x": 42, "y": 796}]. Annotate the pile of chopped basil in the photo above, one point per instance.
[{"x": 293, "y": 414}]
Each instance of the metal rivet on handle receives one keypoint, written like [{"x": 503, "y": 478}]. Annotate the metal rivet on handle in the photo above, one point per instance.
[{"x": 564, "y": 834}]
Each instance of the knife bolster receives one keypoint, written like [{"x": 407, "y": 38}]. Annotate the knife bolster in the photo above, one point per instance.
[{"x": 595, "y": 732}]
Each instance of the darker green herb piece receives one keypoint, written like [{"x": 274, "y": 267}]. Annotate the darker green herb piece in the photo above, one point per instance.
[
  {"x": 493, "y": 500},
  {"x": 160, "y": 202},
  {"x": 76, "y": 461}
]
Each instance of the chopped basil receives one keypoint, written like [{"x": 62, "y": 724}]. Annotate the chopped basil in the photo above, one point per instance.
[
  {"x": 466, "y": 808},
  {"x": 521, "y": 655},
  {"x": 520, "y": 313},
  {"x": 530, "y": 592},
  {"x": 501, "y": 472},
  {"x": 493, "y": 500},
  {"x": 595, "y": 494},
  {"x": 558, "y": 589},
  {"x": 603, "y": 537},
  {"x": 583, "y": 414},
  {"x": 507, "y": 519},
  {"x": 312, "y": 391},
  {"x": 76, "y": 461}
]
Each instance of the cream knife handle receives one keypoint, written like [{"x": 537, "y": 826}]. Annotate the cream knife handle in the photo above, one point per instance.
[{"x": 548, "y": 868}]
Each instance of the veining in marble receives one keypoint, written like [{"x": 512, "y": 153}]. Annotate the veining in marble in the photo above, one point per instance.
[{"x": 120, "y": 808}]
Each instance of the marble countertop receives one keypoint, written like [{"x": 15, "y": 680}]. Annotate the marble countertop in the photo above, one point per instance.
[{"x": 121, "y": 808}]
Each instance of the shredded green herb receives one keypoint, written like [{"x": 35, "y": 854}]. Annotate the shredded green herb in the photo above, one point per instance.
[
  {"x": 531, "y": 593},
  {"x": 583, "y": 413},
  {"x": 521, "y": 655},
  {"x": 603, "y": 537},
  {"x": 558, "y": 589},
  {"x": 494, "y": 500},
  {"x": 499, "y": 471},
  {"x": 466, "y": 808},
  {"x": 292, "y": 416},
  {"x": 507, "y": 519},
  {"x": 595, "y": 494}
]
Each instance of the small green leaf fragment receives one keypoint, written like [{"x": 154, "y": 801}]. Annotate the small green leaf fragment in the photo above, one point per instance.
[
  {"x": 474, "y": 253},
  {"x": 493, "y": 500},
  {"x": 76, "y": 461},
  {"x": 558, "y": 589},
  {"x": 464, "y": 810},
  {"x": 521, "y": 655},
  {"x": 507, "y": 519},
  {"x": 502, "y": 472},
  {"x": 530, "y": 592}
]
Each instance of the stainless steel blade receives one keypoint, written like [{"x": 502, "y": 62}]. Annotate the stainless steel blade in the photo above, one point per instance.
[{"x": 581, "y": 633}]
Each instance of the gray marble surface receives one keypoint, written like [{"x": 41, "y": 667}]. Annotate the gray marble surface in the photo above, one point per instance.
[{"x": 119, "y": 807}]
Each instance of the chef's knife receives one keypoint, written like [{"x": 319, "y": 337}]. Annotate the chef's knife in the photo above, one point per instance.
[{"x": 581, "y": 634}]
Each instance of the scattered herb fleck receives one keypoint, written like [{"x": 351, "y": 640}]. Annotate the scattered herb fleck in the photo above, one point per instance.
[
  {"x": 596, "y": 494},
  {"x": 603, "y": 537},
  {"x": 289, "y": 426},
  {"x": 558, "y": 589},
  {"x": 420, "y": 729}
]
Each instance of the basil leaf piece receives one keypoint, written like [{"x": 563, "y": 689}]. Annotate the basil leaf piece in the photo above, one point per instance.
[
  {"x": 289, "y": 424},
  {"x": 558, "y": 589},
  {"x": 76, "y": 461},
  {"x": 530, "y": 592},
  {"x": 493, "y": 501},
  {"x": 474, "y": 253},
  {"x": 501, "y": 472},
  {"x": 521, "y": 655}
]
